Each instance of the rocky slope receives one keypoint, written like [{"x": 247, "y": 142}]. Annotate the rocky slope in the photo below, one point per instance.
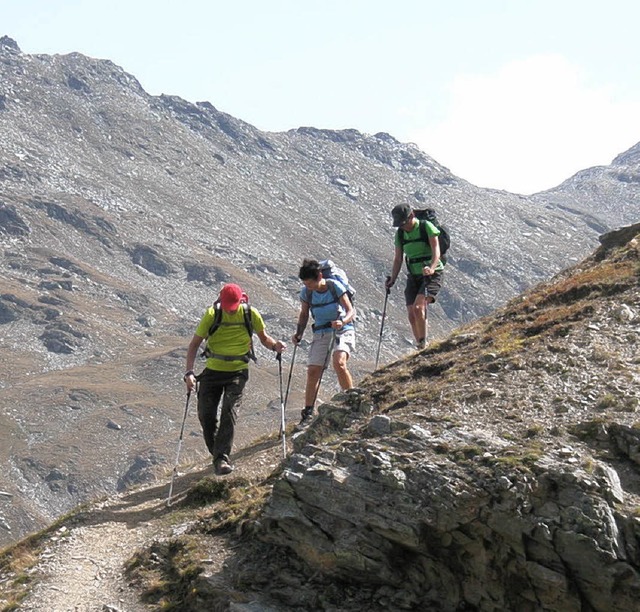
[
  {"x": 498, "y": 469},
  {"x": 122, "y": 213}
]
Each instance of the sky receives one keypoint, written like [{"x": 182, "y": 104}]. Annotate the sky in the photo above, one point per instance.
[{"x": 508, "y": 94}]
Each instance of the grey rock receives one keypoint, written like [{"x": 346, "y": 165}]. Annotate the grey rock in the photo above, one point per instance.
[{"x": 379, "y": 425}]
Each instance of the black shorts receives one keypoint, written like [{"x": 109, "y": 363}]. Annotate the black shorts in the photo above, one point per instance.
[{"x": 425, "y": 285}]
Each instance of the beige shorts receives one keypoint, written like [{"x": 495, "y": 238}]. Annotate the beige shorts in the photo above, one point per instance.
[{"x": 345, "y": 341}]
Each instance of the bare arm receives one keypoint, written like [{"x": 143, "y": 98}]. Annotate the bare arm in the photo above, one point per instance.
[
  {"x": 349, "y": 312},
  {"x": 434, "y": 243},
  {"x": 271, "y": 343},
  {"x": 303, "y": 319},
  {"x": 395, "y": 269},
  {"x": 192, "y": 351}
]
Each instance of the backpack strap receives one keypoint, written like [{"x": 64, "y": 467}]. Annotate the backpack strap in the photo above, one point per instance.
[
  {"x": 334, "y": 293},
  {"x": 424, "y": 237},
  {"x": 248, "y": 323},
  {"x": 217, "y": 319},
  {"x": 423, "y": 231},
  {"x": 332, "y": 288},
  {"x": 336, "y": 300}
]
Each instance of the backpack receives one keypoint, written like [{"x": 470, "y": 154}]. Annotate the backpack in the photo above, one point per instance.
[
  {"x": 330, "y": 271},
  {"x": 217, "y": 322},
  {"x": 428, "y": 214}
]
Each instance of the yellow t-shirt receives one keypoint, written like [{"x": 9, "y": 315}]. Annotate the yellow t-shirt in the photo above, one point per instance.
[{"x": 230, "y": 339}]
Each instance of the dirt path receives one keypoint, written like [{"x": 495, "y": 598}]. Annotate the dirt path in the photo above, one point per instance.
[{"x": 82, "y": 567}]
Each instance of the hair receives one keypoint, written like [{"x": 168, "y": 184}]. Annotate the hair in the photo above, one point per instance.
[{"x": 309, "y": 270}]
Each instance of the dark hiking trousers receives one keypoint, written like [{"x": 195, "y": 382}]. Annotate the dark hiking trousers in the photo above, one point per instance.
[{"x": 214, "y": 385}]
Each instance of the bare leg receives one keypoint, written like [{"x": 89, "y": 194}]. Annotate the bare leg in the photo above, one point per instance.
[
  {"x": 417, "y": 317},
  {"x": 340, "y": 366},
  {"x": 314, "y": 372}
]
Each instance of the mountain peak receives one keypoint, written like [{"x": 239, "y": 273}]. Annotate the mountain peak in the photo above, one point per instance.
[{"x": 8, "y": 43}]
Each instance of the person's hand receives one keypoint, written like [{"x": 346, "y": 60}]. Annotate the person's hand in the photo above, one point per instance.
[
  {"x": 337, "y": 324},
  {"x": 295, "y": 339},
  {"x": 427, "y": 271},
  {"x": 190, "y": 380},
  {"x": 278, "y": 347},
  {"x": 389, "y": 282}
]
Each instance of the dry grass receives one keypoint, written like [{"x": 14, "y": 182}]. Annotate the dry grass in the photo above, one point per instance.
[
  {"x": 165, "y": 573},
  {"x": 18, "y": 560}
]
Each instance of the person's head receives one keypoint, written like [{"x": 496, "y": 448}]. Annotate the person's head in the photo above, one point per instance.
[
  {"x": 230, "y": 297},
  {"x": 402, "y": 214},
  {"x": 310, "y": 273}
]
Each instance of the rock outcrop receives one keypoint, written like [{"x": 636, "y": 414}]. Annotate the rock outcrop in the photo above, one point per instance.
[{"x": 498, "y": 470}]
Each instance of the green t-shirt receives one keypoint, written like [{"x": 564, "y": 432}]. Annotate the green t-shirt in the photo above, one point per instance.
[
  {"x": 415, "y": 246},
  {"x": 231, "y": 338}
]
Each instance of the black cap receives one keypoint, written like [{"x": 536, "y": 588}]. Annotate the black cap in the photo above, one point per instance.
[{"x": 400, "y": 214}]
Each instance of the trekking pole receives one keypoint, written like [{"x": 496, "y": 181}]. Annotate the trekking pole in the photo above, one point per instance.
[
  {"x": 175, "y": 467},
  {"x": 384, "y": 314},
  {"x": 293, "y": 359},
  {"x": 324, "y": 367},
  {"x": 282, "y": 423}
]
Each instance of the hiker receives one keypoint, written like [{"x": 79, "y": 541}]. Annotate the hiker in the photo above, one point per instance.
[
  {"x": 228, "y": 350},
  {"x": 333, "y": 332},
  {"x": 424, "y": 267}
]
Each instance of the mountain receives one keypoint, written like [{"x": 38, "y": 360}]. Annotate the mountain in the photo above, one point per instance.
[
  {"x": 121, "y": 214},
  {"x": 609, "y": 191},
  {"x": 498, "y": 469}
]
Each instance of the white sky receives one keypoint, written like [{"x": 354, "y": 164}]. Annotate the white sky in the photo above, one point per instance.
[{"x": 510, "y": 94}]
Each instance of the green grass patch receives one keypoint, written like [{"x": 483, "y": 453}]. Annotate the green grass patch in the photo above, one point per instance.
[{"x": 208, "y": 491}]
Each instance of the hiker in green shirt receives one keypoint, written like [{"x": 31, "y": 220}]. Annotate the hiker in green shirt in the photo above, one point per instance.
[
  {"x": 424, "y": 267},
  {"x": 228, "y": 327}
]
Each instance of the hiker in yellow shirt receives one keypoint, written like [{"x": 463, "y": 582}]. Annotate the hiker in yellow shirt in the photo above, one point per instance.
[{"x": 228, "y": 328}]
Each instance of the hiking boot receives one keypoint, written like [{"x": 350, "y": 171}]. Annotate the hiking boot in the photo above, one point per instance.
[
  {"x": 421, "y": 343},
  {"x": 221, "y": 466},
  {"x": 307, "y": 417}
]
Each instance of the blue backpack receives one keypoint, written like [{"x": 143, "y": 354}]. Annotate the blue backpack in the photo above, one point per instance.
[{"x": 330, "y": 271}]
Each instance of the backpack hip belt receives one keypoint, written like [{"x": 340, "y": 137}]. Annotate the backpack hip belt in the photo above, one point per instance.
[
  {"x": 245, "y": 358},
  {"x": 412, "y": 260},
  {"x": 315, "y": 327}
]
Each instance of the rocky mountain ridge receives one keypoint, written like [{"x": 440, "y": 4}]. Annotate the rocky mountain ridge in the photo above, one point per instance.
[{"x": 121, "y": 214}]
